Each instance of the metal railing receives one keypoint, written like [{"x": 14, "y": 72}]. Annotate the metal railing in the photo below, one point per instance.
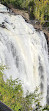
[{"x": 3, "y": 107}]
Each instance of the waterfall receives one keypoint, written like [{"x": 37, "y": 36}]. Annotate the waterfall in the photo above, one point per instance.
[{"x": 24, "y": 51}]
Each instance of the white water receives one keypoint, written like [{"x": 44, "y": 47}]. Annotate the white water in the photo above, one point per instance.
[{"x": 24, "y": 51}]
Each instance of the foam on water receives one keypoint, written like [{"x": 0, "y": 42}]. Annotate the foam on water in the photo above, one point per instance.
[{"x": 24, "y": 52}]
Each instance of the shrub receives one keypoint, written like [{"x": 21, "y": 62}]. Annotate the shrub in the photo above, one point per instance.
[{"x": 11, "y": 93}]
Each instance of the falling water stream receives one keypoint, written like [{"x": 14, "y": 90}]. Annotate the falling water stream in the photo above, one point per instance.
[{"x": 24, "y": 51}]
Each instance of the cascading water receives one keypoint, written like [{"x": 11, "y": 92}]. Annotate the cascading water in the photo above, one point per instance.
[{"x": 23, "y": 51}]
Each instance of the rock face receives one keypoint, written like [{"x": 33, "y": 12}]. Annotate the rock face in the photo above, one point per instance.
[
  {"x": 48, "y": 94},
  {"x": 47, "y": 38},
  {"x": 24, "y": 51}
]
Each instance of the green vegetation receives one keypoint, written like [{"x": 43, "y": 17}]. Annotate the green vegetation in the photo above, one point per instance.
[
  {"x": 11, "y": 93},
  {"x": 38, "y": 9},
  {"x": 15, "y": 3},
  {"x": 41, "y": 10}
]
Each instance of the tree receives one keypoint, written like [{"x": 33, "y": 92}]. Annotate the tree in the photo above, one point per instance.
[
  {"x": 41, "y": 9},
  {"x": 11, "y": 93}
]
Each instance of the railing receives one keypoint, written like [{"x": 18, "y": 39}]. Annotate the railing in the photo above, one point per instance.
[{"x": 3, "y": 107}]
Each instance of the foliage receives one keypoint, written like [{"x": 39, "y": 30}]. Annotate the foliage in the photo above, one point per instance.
[
  {"x": 15, "y": 3},
  {"x": 11, "y": 94},
  {"x": 38, "y": 9},
  {"x": 41, "y": 10}
]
